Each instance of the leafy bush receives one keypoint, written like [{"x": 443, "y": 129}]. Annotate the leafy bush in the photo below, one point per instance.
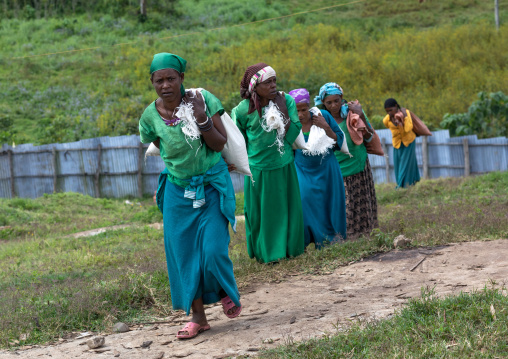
[
  {"x": 7, "y": 132},
  {"x": 486, "y": 117}
]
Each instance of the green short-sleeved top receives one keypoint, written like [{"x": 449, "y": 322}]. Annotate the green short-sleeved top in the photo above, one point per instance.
[
  {"x": 183, "y": 158},
  {"x": 352, "y": 165},
  {"x": 263, "y": 154}
]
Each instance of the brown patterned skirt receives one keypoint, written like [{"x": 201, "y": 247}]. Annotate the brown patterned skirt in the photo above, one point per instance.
[{"x": 361, "y": 203}]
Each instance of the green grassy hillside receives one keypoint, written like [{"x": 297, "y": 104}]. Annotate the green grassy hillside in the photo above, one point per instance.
[{"x": 433, "y": 57}]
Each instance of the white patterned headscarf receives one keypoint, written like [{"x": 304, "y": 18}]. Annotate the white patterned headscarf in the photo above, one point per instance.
[
  {"x": 260, "y": 76},
  {"x": 253, "y": 76}
]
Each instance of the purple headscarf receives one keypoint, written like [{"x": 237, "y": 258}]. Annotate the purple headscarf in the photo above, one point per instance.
[{"x": 300, "y": 95}]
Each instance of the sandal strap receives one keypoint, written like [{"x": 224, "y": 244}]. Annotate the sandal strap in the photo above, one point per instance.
[
  {"x": 227, "y": 301},
  {"x": 228, "y": 305},
  {"x": 189, "y": 327}
]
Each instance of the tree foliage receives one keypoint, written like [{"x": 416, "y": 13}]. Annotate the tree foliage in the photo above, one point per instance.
[
  {"x": 486, "y": 117},
  {"x": 34, "y": 9}
]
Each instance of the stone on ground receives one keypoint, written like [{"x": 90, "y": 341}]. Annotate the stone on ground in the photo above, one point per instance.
[
  {"x": 95, "y": 342},
  {"x": 120, "y": 327}
]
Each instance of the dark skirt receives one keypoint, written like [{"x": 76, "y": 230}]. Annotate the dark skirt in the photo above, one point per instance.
[{"x": 361, "y": 203}]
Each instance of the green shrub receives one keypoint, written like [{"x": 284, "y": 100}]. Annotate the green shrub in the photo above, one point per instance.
[
  {"x": 486, "y": 117},
  {"x": 7, "y": 131}
]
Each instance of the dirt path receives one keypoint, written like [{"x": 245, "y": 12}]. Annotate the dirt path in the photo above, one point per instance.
[{"x": 305, "y": 307}]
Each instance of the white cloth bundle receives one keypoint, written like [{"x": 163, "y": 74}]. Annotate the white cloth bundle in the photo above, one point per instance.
[
  {"x": 272, "y": 120},
  {"x": 185, "y": 112},
  {"x": 300, "y": 143},
  {"x": 319, "y": 142},
  {"x": 152, "y": 151},
  {"x": 235, "y": 149}
]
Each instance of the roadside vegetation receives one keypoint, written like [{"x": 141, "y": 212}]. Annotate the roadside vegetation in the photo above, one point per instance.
[
  {"x": 470, "y": 325},
  {"x": 52, "y": 284}
]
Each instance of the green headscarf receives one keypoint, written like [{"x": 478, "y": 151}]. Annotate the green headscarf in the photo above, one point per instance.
[{"x": 165, "y": 60}]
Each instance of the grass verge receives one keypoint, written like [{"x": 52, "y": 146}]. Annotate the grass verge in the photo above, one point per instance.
[
  {"x": 470, "y": 325},
  {"x": 51, "y": 284},
  {"x": 64, "y": 213}
]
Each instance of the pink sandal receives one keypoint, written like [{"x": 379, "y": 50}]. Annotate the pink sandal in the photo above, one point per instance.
[
  {"x": 193, "y": 329},
  {"x": 228, "y": 304}
]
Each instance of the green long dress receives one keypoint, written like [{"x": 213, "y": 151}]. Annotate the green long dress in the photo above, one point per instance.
[{"x": 273, "y": 207}]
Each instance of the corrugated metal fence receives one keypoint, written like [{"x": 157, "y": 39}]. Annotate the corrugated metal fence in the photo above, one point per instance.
[
  {"x": 116, "y": 166},
  {"x": 440, "y": 155}
]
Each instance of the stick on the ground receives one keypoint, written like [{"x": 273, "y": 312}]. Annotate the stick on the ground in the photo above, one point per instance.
[
  {"x": 417, "y": 264},
  {"x": 160, "y": 322}
]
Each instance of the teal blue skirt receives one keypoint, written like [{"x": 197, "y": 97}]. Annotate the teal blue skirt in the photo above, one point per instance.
[
  {"x": 405, "y": 165},
  {"x": 323, "y": 198},
  {"x": 196, "y": 242}
]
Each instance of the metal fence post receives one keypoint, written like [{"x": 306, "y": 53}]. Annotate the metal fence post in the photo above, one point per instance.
[
  {"x": 425, "y": 157},
  {"x": 387, "y": 160},
  {"x": 140, "y": 169},
  {"x": 98, "y": 172},
  {"x": 53, "y": 153},
  {"x": 11, "y": 166},
  {"x": 467, "y": 166}
]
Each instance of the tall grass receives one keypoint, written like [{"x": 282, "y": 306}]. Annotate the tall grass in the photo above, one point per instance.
[
  {"x": 431, "y": 72},
  {"x": 430, "y": 56},
  {"x": 53, "y": 286},
  {"x": 65, "y": 213}
]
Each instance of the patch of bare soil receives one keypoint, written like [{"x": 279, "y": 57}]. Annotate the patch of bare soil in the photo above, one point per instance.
[
  {"x": 96, "y": 231},
  {"x": 306, "y": 307}
]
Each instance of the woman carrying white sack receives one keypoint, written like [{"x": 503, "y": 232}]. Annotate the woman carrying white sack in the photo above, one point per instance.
[
  {"x": 319, "y": 176},
  {"x": 269, "y": 123},
  {"x": 361, "y": 139},
  {"x": 195, "y": 194}
]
